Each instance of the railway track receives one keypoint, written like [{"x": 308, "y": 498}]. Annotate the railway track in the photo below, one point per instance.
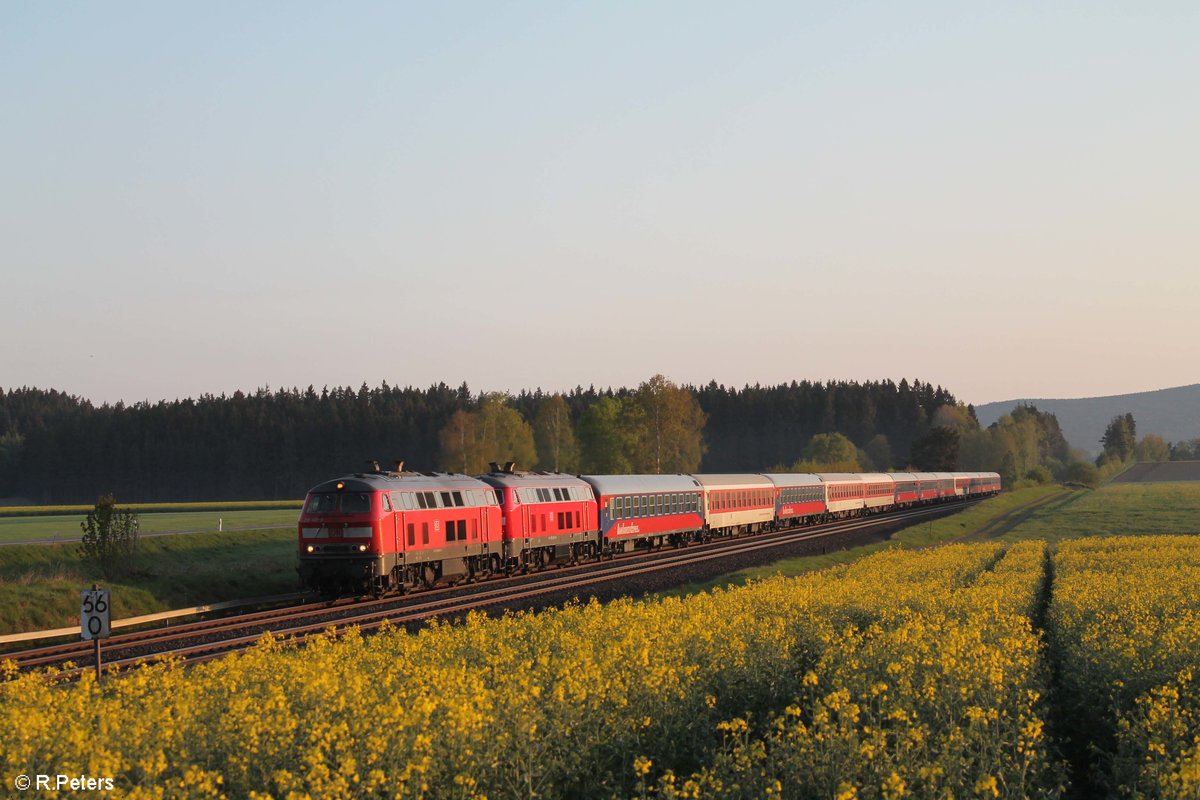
[{"x": 208, "y": 639}]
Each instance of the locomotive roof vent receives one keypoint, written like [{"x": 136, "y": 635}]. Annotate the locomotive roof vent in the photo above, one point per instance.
[
  {"x": 510, "y": 467},
  {"x": 494, "y": 467}
]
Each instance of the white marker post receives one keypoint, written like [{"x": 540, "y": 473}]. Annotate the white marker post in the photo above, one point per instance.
[{"x": 94, "y": 614}]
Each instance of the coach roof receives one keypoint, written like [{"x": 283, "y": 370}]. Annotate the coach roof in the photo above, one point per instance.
[
  {"x": 792, "y": 479},
  {"x": 641, "y": 484},
  {"x": 732, "y": 481}
]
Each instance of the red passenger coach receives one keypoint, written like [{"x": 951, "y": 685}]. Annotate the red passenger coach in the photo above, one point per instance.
[
  {"x": 384, "y": 530},
  {"x": 647, "y": 510},
  {"x": 735, "y": 504},
  {"x": 928, "y": 483},
  {"x": 845, "y": 493},
  {"x": 879, "y": 491},
  {"x": 549, "y": 517},
  {"x": 798, "y": 498},
  {"x": 908, "y": 487}
]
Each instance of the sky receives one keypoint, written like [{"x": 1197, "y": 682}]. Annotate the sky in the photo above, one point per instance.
[{"x": 999, "y": 198}]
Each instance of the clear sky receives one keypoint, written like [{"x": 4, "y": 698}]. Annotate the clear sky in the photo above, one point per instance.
[{"x": 1002, "y": 198}]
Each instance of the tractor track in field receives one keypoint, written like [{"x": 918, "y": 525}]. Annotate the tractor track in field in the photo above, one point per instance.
[{"x": 998, "y": 526}]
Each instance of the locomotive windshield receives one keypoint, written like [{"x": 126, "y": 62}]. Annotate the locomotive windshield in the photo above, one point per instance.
[
  {"x": 351, "y": 503},
  {"x": 322, "y": 503}
]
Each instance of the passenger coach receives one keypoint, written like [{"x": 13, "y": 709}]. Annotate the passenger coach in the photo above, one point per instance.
[
  {"x": 650, "y": 510},
  {"x": 737, "y": 503},
  {"x": 799, "y": 498}
]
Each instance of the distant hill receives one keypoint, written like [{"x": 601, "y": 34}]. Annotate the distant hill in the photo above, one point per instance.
[{"x": 1173, "y": 414}]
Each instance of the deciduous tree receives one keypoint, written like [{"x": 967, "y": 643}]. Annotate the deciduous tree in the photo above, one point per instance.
[
  {"x": 936, "y": 451},
  {"x": 608, "y": 435},
  {"x": 554, "y": 436},
  {"x": 1152, "y": 448},
  {"x": 672, "y": 428},
  {"x": 1119, "y": 437}
]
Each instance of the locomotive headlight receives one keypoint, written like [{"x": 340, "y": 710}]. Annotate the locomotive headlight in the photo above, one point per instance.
[
  {"x": 362, "y": 548},
  {"x": 310, "y": 548}
]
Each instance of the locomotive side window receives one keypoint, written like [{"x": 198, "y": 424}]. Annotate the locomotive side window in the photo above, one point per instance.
[
  {"x": 356, "y": 503},
  {"x": 387, "y": 501},
  {"x": 322, "y": 504},
  {"x": 424, "y": 533},
  {"x": 412, "y": 535}
]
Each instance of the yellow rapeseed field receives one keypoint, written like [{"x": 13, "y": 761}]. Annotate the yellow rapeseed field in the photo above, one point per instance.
[
  {"x": 905, "y": 674},
  {"x": 1125, "y": 623}
]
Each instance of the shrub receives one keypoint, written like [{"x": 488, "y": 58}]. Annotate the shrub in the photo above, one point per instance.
[{"x": 110, "y": 536}]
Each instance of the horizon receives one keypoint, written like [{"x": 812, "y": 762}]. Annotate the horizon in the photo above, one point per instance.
[{"x": 201, "y": 199}]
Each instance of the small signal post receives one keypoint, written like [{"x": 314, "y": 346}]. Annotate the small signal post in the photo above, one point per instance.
[{"x": 94, "y": 619}]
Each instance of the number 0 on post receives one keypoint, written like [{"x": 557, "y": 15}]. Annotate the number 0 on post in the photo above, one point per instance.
[{"x": 94, "y": 614}]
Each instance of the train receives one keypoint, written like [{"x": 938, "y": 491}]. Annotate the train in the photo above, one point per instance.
[{"x": 384, "y": 531}]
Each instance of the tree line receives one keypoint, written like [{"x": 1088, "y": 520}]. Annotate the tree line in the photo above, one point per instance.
[
  {"x": 57, "y": 448},
  {"x": 275, "y": 444}
]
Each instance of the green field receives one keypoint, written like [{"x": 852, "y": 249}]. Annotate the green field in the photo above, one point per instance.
[
  {"x": 39, "y": 584},
  {"x": 1124, "y": 509},
  {"x": 66, "y": 526}
]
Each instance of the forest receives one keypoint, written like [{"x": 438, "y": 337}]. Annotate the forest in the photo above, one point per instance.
[{"x": 275, "y": 444}]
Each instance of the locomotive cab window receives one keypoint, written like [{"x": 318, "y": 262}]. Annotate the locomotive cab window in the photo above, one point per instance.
[
  {"x": 322, "y": 504},
  {"x": 356, "y": 503}
]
